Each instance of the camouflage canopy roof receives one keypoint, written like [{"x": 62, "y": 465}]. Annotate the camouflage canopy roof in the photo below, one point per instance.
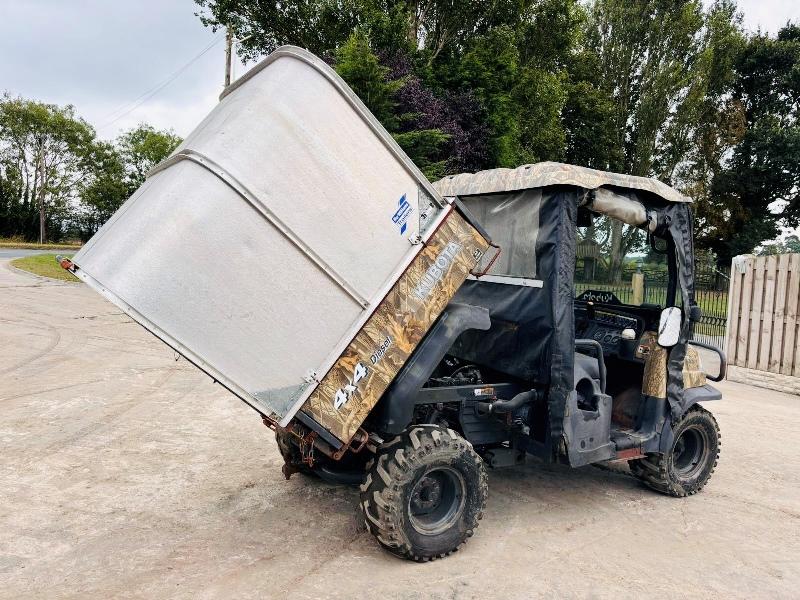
[{"x": 546, "y": 174}]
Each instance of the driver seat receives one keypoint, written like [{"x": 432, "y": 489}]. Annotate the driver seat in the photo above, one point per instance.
[{"x": 588, "y": 365}]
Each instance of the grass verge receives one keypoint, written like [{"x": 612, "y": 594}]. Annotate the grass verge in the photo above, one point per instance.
[
  {"x": 14, "y": 243},
  {"x": 44, "y": 265}
]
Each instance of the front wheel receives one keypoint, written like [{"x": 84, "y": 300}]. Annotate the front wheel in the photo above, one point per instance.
[
  {"x": 691, "y": 460},
  {"x": 424, "y": 493}
]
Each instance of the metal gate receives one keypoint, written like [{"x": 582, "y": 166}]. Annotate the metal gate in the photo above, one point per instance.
[{"x": 711, "y": 294}]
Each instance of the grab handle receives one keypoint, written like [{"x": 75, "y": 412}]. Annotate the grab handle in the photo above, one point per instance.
[{"x": 723, "y": 362}]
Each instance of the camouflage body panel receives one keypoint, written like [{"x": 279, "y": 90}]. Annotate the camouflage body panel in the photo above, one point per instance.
[
  {"x": 546, "y": 174},
  {"x": 693, "y": 374},
  {"x": 349, "y": 391},
  {"x": 654, "y": 381}
]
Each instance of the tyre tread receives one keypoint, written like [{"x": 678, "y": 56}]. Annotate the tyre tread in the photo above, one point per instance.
[
  {"x": 653, "y": 469},
  {"x": 380, "y": 496}
]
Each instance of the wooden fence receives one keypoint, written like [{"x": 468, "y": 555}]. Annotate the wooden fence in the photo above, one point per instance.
[{"x": 763, "y": 342}]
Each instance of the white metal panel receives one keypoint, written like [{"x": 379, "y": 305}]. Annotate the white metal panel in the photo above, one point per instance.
[
  {"x": 210, "y": 270},
  {"x": 255, "y": 248},
  {"x": 298, "y": 144}
]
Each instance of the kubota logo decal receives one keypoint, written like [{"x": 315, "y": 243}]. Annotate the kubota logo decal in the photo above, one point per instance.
[{"x": 437, "y": 270}]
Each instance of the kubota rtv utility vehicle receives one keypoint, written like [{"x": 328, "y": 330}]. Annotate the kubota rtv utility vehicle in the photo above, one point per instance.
[{"x": 403, "y": 336}]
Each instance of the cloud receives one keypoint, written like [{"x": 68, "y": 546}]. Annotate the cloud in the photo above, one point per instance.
[
  {"x": 769, "y": 15},
  {"x": 100, "y": 55}
]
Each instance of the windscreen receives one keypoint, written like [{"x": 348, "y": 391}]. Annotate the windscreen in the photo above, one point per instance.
[
  {"x": 614, "y": 264},
  {"x": 512, "y": 221}
]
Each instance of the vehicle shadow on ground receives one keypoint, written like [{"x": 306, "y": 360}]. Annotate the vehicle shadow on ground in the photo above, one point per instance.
[
  {"x": 511, "y": 490},
  {"x": 561, "y": 485}
]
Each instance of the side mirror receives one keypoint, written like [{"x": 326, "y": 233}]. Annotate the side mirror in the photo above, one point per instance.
[{"x": 669, "y": 326}]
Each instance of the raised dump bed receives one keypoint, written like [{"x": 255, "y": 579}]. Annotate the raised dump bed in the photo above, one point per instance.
[
  {"x": 292, "y": 251},
  {"x": 288, "y": 248}
]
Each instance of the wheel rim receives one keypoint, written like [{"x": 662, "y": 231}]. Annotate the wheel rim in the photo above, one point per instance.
[
  {"x": 436, "y": 500},
  {"x": 689, "y": 453}
]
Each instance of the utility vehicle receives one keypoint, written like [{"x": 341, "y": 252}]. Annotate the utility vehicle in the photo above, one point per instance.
[
  {"x": 405, "y": 336},
  {"x": 520, "y": 364}
]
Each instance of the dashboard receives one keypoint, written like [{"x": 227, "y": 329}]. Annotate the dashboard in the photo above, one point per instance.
[{"x": 605, "y": 325}]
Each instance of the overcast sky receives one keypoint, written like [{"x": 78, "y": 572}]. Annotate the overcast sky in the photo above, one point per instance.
[{"x": 106, "y": 57}]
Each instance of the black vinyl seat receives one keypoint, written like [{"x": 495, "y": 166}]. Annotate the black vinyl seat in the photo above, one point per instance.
[{"x": 588, "y": 365}]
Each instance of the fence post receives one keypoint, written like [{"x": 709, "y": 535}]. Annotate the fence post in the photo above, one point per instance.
[
  {"x": 637, "y": 285},
  {"x": 734, "y": 307}
]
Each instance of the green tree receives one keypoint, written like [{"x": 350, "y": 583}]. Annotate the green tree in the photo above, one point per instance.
[
  {"x": 549, "y": 32},
  {"x": 790, "y": 245},
  {"x": 671, "y": 89},
  {"x": 358, "y": 65},
  {"x": 509, "y": 55},
  {"x": 44, "y": 154},
  {"x": 757, "y": 190},
  {"x": 490, "y": 68},
  {"x": 590, "y": 111},
  {"x": 103, "y": 191},
  {"x": 588, "y": 119},
  {"x": 646, "y": 51},
  {"x": 713, "y": 122},
  {"x": 435, "y": 26},
  {"x": 707, "y": 124},
  {"x": 320, "y": 26},
  {"x": 117, "y": 171},
  {"x": 523, "y": 101},
  {"x": 141, "y": 149},
  {"x": 540, "y": 98},
  {"x": 17, "y": 218},
  {"x": 431, "y": 27}
]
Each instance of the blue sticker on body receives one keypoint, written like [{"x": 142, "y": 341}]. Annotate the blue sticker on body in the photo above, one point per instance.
[{"x": 400, "y": 217}]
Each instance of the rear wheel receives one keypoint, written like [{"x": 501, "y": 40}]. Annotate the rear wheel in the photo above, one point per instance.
[
  {"x": 424, "y": 493},
  {"x": 691, "y": 460}
]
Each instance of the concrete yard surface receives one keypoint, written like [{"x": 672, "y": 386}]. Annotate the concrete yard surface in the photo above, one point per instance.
[{"x": 128, "y": 474}]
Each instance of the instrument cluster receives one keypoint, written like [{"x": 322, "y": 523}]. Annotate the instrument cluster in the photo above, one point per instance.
[{"x": 607, "y": 329}]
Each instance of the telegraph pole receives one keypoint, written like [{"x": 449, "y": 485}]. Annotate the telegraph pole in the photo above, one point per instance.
[
  {"x": 41, "y": 170},
  {"x": 228, "y": 55}
]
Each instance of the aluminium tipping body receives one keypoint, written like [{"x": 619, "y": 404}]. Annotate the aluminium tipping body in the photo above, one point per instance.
[{"x": 284, "y": 227}]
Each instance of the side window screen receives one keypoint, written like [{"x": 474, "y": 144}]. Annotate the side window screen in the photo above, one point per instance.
[{"x": 512, "y": 220}]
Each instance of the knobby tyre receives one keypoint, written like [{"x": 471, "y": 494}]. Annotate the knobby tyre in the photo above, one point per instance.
[
  {"x": 688, "y": 465},
  {"x": 424, "y": 493}
]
